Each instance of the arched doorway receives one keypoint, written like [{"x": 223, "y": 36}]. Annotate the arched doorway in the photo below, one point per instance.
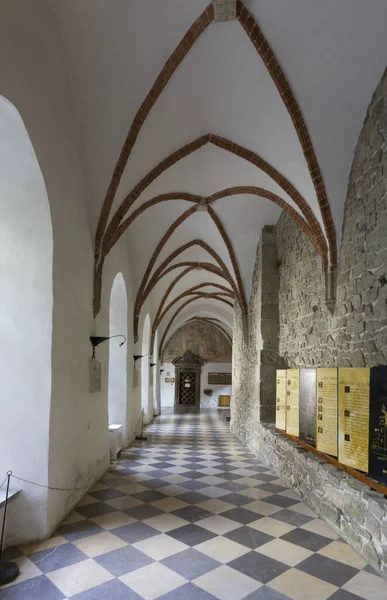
[
  {"x": 146, "y": 398},
  {"x": 118, "y": 325},
  {"x": 26, "y": 304}
]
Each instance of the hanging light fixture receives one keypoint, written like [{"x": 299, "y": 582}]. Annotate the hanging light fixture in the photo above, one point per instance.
[{"x": 97, "y": 340}]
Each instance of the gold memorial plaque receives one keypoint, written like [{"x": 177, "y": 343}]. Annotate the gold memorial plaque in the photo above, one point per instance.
[
  {"x": 326, "y": 420},
  {"x": 280, "y": 414},
  {"x": 292, "y": 401},
  {"x": 354, "y": 416}
]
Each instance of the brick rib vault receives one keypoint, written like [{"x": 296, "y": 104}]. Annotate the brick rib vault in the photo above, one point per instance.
[{"x": 111, "y": 227}]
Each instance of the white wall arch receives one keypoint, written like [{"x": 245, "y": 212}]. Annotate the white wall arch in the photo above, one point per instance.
[
  {"x": 118, "y": 376},
  {"x": 146, "y": 396},
  {"x": 156, "y": 375},
  {"x": 26, "y": 305}
]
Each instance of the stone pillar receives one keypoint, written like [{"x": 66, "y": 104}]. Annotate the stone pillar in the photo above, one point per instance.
[{"x": 267, "y": 324}]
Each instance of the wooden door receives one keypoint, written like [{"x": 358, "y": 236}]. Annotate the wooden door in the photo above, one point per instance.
[{"x": 187, "y": 388}]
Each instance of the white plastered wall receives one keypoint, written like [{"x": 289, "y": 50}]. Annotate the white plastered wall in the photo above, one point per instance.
[
  {"x": 26, "y": 250},
  {"x": 35, "y": 82},
  {"x": 118, "y": 325},
  {"x": 168, "y": 389}
]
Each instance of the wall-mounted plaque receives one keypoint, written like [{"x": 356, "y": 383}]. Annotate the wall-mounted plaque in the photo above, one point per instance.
[
  {"x": 280, "y": 414},
  {"x": 219, "y": 379},
  {"x": 378, "y": 424},
  {"x": 327, "y": 403},
  {"x": 94, "y": 376},
  {"x": 169, "y": 380},
  {"x": 307, "y": 406},
  {"x": 292, "y": 401},
  {"x": 354, "y": 417}
]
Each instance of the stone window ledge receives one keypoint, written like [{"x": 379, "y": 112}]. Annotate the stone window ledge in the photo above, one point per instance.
[
  {"x": 357, "y": 513},
  {"x": 11, "y": 495}
]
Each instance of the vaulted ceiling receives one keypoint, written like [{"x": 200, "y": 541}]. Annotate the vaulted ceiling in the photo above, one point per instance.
[{"x": 241, "y": 119}]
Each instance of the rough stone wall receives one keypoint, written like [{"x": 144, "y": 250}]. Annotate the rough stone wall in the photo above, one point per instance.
[
  {"x": 356, "y": 513},
  {"x": 201, "y": 338},
  {"x": 255, "y": 345},
  {"x": 309, "y": 335},
  {"x": 356, "y": 334}
]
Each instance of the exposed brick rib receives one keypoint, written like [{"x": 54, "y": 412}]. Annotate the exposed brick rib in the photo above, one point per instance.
[
  {"x": 270, "y": 61},
  {"x": 231, "y": 147},
  {"x": 145, "y": 182},
  {"x": 231, "y": 254},
  {"x": 175, "y": 254},
  {"x": 136, "y": 213},
  {"x": 165, "y": 75},
  {"x": 211, "y": 268},
  {"x": 284, "y": 183},
  {"x": 212, "y": 322},
  {"x": 156, "y": 254},
  {"x": 261, "y": 192},
  {"x": 161, "y": 313},
  {"x": 178, "y": 311}
]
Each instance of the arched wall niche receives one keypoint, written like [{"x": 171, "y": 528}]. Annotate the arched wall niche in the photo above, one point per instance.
[
  {"x": 156, "y": 375},
  {"x": 146, "y": 396},
  {"x": 118, "y": 377},
  {"x": 26, "y": 314}
]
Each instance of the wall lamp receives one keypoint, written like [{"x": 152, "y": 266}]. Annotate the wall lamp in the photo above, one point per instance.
[
  {"x": 138, "y": 356},
  {"x": 153, "y": 364},
  {"x": 96, "y": 341},
  {"x": 162, "y": 371}
]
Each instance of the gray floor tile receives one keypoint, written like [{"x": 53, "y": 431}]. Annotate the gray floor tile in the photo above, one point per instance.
[
  {"x": 327, "y": 569},
  {"x": 38, "y": 588},
  {"x": 192, "y": 535},
  {"x": 266, "y": 593},
  {"x": 306, "y": 539},
  {"x": 108, "y": 494},
  {"x": 292, "y": 517},
  {"x": 149, "y": 496},
  {"x": 113, "y": 590},
  {"x": 95, "y": 510},
  {"x": 236, "y": 499},
  {"x": 79, "y": 530},
  {"x": 56, "y": 558},
  {"x": 241, "y": 515},
  {"x": 271, "y": 487},
  {"x": 192, "y": 497},
  {"x": 251, "y": 538},
  {"x": 187, "y": 592},
  {"x": 122, "y": 561},
  {"x": 343, "y": 595},
  {"x": 190, "y": 564},
  {"x": 258, "y": 567},
  {"x": 281, "y": 501},
  {"x": 135, "y": 532},
  {"x": 143, "y": 511},
  {"x": 192, "y": 513}
]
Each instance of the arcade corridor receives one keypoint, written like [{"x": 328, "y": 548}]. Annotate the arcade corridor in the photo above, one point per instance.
[{"x": 191, "y": 515}]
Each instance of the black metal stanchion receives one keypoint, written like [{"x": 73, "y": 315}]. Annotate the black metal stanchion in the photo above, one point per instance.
[
  {"x": 142, "y": 436},
  {"x": 8, "y": 570}
]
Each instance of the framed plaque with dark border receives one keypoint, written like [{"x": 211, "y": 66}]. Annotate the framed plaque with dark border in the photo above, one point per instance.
[
  {"x": 354, "y": 417},
  {"x": 292, "y": 401},
  {"x": 280, "y": 413},
  {"x": 307, "y": 406},
  {"x": 327, "y": 411},
  {"x": 378, "y": 424}
]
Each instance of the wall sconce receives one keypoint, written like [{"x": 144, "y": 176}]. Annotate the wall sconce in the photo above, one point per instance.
[
  {"x": 153, "y": 364},
  {"x": 162, "y": 371},
  {"x": 96, "y": 341},
  {"x": 137, "y": 357}
]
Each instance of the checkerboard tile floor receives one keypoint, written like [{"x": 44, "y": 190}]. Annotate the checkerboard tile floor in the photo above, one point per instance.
[{"x": 190, "y": 514}]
